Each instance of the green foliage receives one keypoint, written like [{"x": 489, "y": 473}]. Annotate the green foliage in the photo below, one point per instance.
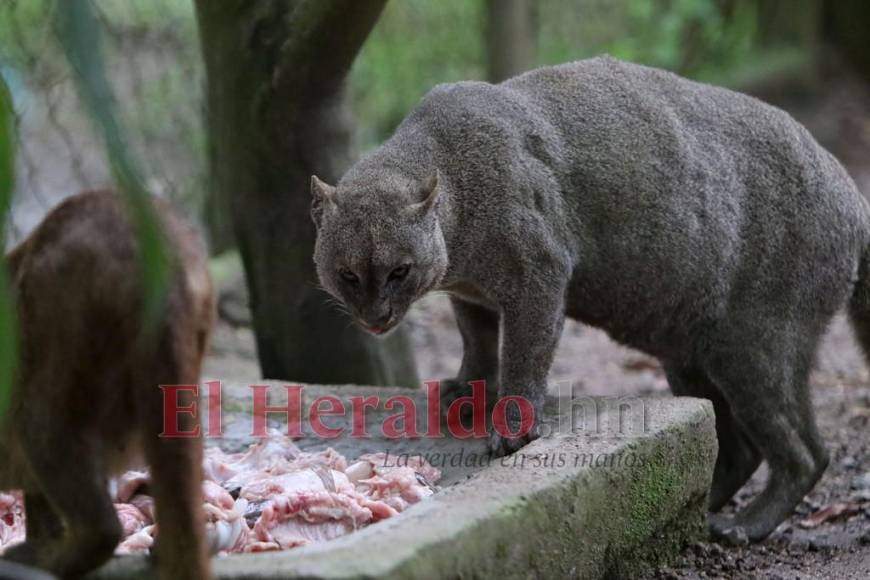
[
  {"x": 23, "y": 31},
  {"x": 153, "y": 61},
  {"x": 415, "y": 45},
  {"x": 78, "y": 31},
  {"x": 693, "y": 37},
  {"x": 154, "y": 64},
  {"x": 419, "y": 43},
  {"x": 8, "y": 342},
  {"x": 162, "y": 17}
]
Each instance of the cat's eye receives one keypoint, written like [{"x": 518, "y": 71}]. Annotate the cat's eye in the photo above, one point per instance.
[
  {"x": 348, "y": 276},
  {"x": 400, "y": 272}
]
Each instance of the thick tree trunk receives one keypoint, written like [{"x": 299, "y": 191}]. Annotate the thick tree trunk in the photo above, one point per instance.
[
  {"x": 275, "y": 73},
  {"x": 217, "y": 218},
  {"x": 511, "y": 37},
  {"x": 846, "y": 26}
]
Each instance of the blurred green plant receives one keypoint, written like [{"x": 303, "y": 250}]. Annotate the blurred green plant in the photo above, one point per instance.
[
  {"x": 79, "y": 33},
  {"x": 416, "y": 44},
  {"x": 8, "y": 334},
  {"x": 152, "y": 59}
]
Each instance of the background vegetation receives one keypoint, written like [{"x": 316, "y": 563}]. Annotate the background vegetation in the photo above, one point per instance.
[
  {"x": 156, "y": 69},
  {"x": 155, "y": 66}
]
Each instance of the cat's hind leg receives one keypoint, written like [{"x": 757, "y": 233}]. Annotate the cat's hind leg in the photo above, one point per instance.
[
  {"x": 738, "y": 457},
  {"x": 762, "y": 372}
]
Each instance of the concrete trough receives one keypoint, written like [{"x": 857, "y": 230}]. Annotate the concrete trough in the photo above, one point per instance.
[{"x": 614, "y": 491}]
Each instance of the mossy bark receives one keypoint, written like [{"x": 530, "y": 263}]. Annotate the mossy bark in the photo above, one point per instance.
[{"x": 276, "y": 71}]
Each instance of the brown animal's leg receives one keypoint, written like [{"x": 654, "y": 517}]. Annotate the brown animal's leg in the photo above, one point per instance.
[
  {"x": 766, "y": 388},
  {"x": 44, "y": 527},
  {"x": 42, "y": 521},
  {"x": 738, "y": 458},
  {"x": 71, "y": 479},
  {"x": 176, "y": 486},
  {"x": 176, "y": 465}
]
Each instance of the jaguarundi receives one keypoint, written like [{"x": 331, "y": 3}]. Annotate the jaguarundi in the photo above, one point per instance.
[
  {"x": 87, "y": 398},
  {"x": 696, "y": 224}
]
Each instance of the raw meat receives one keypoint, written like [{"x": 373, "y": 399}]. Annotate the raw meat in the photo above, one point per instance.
[
  {"x": 270, "y": 497},
  {"x": 11, "y": 519}
]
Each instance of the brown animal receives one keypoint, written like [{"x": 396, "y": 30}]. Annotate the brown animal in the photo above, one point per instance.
[{"x": 87, "y": 397}]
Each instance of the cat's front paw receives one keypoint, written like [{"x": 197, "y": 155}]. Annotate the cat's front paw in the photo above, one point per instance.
[
  {"x": 452, "y": 389},
  {"x": 501, "y": 442},
  {"x": 499, "y": 446},
  {"x": 456, "y": 388}
]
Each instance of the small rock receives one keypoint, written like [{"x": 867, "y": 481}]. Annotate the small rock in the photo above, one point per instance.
[
  {"x": 810, "y": 504},
  {"x": 735, "y": 536},
  {"x": 861, "y": 482},
  {"x": 785, "y": 528},
  {"x": 848, "y": 462}
]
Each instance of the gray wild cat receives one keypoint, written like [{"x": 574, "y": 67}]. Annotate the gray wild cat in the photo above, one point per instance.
[{"x": 693, "y": 223}]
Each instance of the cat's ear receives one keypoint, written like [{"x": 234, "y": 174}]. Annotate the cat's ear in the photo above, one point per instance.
[
  {"x": 427, "y": 194},
  {"x": 322, "y": 200}
]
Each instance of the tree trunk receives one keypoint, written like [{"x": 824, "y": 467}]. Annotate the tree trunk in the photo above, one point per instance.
[
  {"x": 789, "y": 23},
  {"x": 217, "y": 218},
  {"x": 841, "y": 25},
  {"x": 275, "y": 72},
  {"x": 511, "y": 37},
  {"x": 846, "y": 26}
]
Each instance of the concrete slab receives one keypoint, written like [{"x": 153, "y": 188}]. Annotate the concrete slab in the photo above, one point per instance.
[{"x": 613, "y": 491}]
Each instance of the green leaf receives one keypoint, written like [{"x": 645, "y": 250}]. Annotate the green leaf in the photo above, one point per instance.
[
  {"x": 8, "y": 340},
  {"x": 79, "y": 32}
]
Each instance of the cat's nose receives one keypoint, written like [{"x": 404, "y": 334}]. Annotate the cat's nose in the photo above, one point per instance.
[
  {"x": 380, "y": 324},
  {"x": 385, "y": 319}
]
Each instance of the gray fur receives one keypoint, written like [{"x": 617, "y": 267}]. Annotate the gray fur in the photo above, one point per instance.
[{"x": 694, "y": 223}]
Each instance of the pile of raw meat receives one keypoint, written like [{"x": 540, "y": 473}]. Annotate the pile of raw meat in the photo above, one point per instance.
[{"x": 271, "y": 497}]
